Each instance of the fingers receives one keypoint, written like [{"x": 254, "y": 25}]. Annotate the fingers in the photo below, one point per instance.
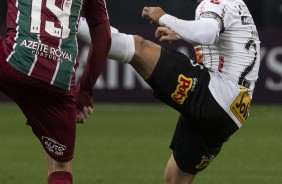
[
  {"x": 84, "y": 114},
  {"x": 146, "y": 10},
  {"x": 145, "y": 13},
  {"x": 153, "y": 14},
  {"x": 80, "y": 118},
  {"x": 87, "y": 111},
  {"x": 149, "y": 13},
  {"x": 159, "y": 32},
  {"x": 165, "y": 34},
  {"x": 162, "y": 34}
]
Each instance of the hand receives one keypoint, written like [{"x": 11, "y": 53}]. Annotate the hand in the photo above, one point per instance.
[
  {"x": 165, "y": 34},
  {"x": 83, "y": 115},
  {"x": 84, "y": 105},
  {"x": 153, "y": 14}
]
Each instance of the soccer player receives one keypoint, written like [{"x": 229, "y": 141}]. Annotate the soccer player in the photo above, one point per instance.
[
  {"x": 38, "y": 58},
  {"x": 213, "y": 92}
]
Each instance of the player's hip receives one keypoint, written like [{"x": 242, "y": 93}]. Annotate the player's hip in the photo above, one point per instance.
[{"x": 178, "y": 82}]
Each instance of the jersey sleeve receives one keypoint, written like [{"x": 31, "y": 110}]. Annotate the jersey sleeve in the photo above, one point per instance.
[
  {"x": 95, "y": 11},
  {"x": 209, "y": 8}
]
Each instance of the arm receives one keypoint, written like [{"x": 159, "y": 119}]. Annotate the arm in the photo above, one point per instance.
[
  {"x": 203, "y": 31},
  {"x": 99, "y": 29},
  {"x": 98, "y": 51}
]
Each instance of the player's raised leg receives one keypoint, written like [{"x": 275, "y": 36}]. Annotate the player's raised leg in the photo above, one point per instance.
[
  {"x": 142, "y": 54},
  {"x": 146, "y": 56}
]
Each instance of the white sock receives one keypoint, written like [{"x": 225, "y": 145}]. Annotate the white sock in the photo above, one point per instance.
[
  {"x": 122, "y": 48},
  {"x": 83, "y": 31}
]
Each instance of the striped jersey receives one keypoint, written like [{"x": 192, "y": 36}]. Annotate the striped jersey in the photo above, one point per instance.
[
  {"x": 41, "y": 38},
  {"x": 233, "y": 59}
]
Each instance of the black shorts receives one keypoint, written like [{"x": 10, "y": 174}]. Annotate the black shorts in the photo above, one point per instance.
[{"x": 203, "y": 125}]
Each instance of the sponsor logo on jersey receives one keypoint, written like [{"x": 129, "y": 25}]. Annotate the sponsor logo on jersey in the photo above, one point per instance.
[
  {"x": 46, "y": 51},
  {"x": 221, "y": 62},
  {"x": 195, "y": 81},
  {"x": 199, "y": 54},
  {"x": 246, "y": 20},
  {"x": 181, "y": 92},
  {"x": 241, "y": 105},
  {"x": 223, "y": 12},
  {"x": 53, "y": 146},
  {"x": 67, "y": 3},
  {"x": 206, "y": 160},
  {"x": 214, "y": 1},
  {"x": 254, "y": 32},
  {"x": 244, "y": 9},
  {"x": 202, "y": 7}
]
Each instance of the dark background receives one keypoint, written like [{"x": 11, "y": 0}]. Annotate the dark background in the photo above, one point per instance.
[
  {"x": 266, "y": 13},
  {"x": 126, "y": 16}
]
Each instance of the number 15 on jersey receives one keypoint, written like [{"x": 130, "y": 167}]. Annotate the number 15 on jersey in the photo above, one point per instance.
[{"x": 63, "y": 15}]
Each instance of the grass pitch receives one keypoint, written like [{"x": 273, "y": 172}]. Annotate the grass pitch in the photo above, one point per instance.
[{"x": 128, "y": 144}]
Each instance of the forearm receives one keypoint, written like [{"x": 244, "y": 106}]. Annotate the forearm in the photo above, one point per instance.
[
  {"x": 202, "y": 31},
  {"x": 100, "y": 38}
]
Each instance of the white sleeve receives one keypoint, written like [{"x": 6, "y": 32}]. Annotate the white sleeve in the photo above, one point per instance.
[{"x": 204, "y": 31}]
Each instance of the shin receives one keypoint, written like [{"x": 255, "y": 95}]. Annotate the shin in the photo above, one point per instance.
[{"x": 59, "y": 172}]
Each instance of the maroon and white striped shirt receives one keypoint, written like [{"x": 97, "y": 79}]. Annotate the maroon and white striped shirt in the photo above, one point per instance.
[{"x": 41, "y": 37}]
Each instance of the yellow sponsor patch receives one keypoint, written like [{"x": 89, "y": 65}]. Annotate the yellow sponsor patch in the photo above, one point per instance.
[
  {"x": 241, "y": 105},
  {"x": 181, "y": 92},
  {"x": 205, "y": 162},
  {"x": 199, "y": 54}
]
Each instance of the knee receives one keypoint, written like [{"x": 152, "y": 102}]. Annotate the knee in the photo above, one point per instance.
[{"x": 140, "y": 44}]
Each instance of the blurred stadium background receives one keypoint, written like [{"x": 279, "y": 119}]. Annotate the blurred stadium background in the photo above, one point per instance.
[{"x": 126, "y": 140}]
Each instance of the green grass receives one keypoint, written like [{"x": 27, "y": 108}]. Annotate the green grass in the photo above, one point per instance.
[{"x": 128, "y": 144}]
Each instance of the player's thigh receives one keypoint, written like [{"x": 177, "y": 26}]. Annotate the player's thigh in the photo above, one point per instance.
[
  {"x": 50, "y": 112},
  {"x": 53, "y": 120},
  {"x": 191, "y": 153},
  {"x": 177, "y": 82},
  {"x": 198, "y": 140}
]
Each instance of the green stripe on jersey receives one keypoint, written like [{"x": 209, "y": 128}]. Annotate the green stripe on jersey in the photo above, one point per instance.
[
  {"x": 28, "y": 46},
  {"x": 69, "y": 44},
  {"x": 23, "y": 54}
]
